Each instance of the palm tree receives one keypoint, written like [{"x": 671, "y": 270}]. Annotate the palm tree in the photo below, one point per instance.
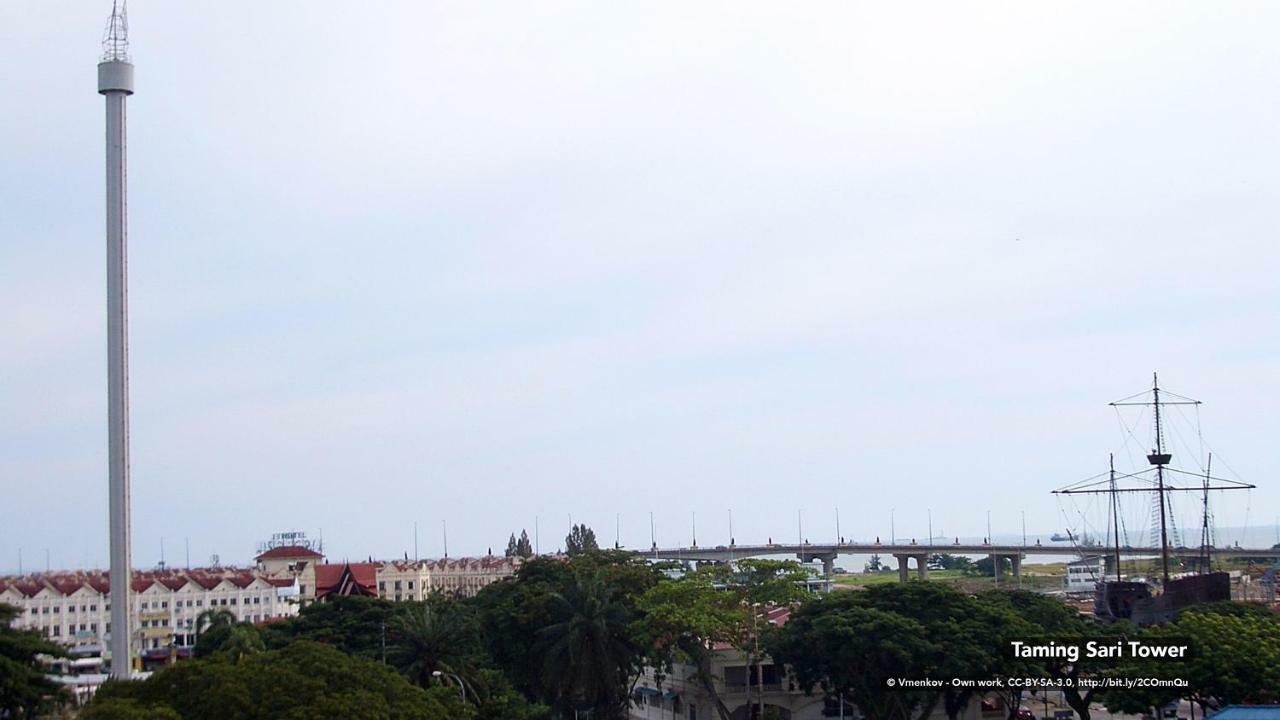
[
  {"x": 212, "y": 618},
  {"x": 588, "y": 657},
  {"x": 429, "y": 636},
  {"x": 244, "y": 639},
  {"x": 215, "y": 626}
]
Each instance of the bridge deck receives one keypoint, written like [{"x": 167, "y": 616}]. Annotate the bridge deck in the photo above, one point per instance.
[{"x": 726, "y": 552}]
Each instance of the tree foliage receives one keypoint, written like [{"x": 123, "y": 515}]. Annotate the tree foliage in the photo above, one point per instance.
[
  {"x": 581, "y": 539},
  {"x": 355, "y": 625},
  {"x": 589, "y": 658},
  {"x": 530, "y": 625},
  {"x": 853, "y": 643},
  {"x": 24, "y": 690},
  {"x": 947, "y": 561},
  {"x": 303, "y": 680},
  {"x": 853, "y": 650},
  {"x": 686, "y": 616},
  {"x": 437, "y": 634},
  {"x": 1234, "y": 658},
  {"x": 519, "y": 547},
  {"x": 986, "y": 567}
]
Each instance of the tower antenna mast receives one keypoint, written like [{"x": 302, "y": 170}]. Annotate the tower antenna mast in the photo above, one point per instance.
[{"x": 115, "y": 40}]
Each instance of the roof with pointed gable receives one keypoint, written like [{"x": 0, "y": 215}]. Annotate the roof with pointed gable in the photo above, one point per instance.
[
  {"x": 346, "y": 579},
  {"x": 65, "y": 584}
]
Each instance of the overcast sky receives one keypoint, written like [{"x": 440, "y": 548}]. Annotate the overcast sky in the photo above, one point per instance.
[{"x": 486, "y": 262}]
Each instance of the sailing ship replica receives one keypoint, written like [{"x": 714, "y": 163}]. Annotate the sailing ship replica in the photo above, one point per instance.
[{"x": 1119, "y": 599}]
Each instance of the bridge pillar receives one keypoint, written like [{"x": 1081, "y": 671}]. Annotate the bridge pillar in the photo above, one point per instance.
[
  {"x": 1016, "y": 560},
  {"x": 828, "y": 560},
  {"x": 902, "y": 567},
  {"x": 997, "y": 562},
  {"x": 922, "y": 567}
]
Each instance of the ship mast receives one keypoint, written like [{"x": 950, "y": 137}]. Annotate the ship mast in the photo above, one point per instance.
[
  {"x": 1163, "y": 482},
  {"x": 1115, "y": 512},
  {"x": 1160, "y": 458},
  {"x": 1205, "y": 538}
]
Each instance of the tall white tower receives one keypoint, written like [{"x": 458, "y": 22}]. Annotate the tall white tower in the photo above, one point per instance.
[{"x": 115, "y": 81}]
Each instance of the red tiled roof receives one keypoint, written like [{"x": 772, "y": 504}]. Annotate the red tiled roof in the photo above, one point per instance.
[
  {"x": 64, "y": 584},
  {"x": 138, "y": 585},
  {"x": 241, "y": 581},
  {"x": 28, "y": 588},
  {"x": 174, "y": 582},
  {"x": 208, "y": 582},
  {"x": 329, "y": 578},
  {"x": 291, "y": 551}
]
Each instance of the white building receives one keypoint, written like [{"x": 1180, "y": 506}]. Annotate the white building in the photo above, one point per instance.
[
  {"x": 73, "y": 608},
  {"x": 463, "y": 577},
  {"x": 1084, "y": 574}
]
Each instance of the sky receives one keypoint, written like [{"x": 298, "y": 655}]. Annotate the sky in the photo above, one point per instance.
[{"x": 504, "y": 264}]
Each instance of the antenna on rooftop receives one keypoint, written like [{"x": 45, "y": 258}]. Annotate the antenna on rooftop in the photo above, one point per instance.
[{"x": 115, "y": 39}]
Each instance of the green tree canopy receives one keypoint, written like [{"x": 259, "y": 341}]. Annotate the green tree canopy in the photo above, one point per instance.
[
  {"x": 1052, "y": 618},
  {"x": 301, "y": 681},
  {"x": 1235, "y": 658},
  {"x": 843, "y": 645},
  {"x": 721, "y": 603},
  {"x": 581, "y": 539},
  {"x": 520, "y": 547},
  {"x": 957, "y": 635},
  {"x": 437, "y": 634},
  {"x": 559, "y": 597},
  {"x": 355, "y": 625},
  {"x": 24, "y": 690}
]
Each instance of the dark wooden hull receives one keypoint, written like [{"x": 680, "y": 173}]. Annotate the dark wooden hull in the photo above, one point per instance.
[{"x": 1133, "y": 601}]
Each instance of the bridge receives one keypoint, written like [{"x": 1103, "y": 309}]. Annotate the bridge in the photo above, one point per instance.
[{"x": 904, "y": 552}]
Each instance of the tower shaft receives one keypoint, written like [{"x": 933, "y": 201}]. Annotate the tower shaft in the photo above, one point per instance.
[{"x": 115, "y": 81}]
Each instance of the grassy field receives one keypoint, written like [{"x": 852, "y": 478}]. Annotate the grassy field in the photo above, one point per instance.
[{"x": 1034, "y": 577}]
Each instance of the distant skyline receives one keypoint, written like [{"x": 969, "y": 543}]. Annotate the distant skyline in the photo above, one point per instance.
[{"x": 486, "y": 263}]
